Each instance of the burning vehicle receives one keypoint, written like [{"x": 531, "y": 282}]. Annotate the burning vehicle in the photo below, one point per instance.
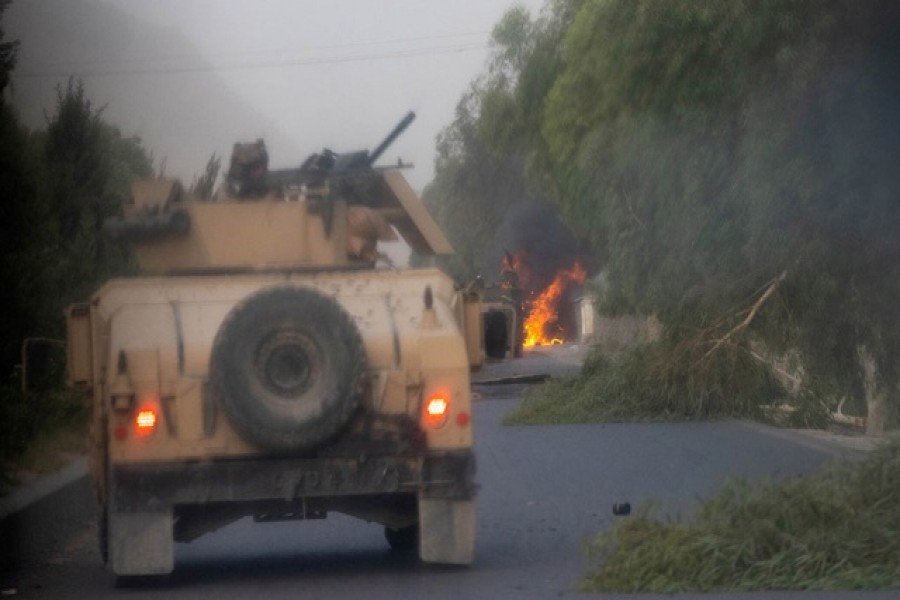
[{"x": 532, "y": 305}]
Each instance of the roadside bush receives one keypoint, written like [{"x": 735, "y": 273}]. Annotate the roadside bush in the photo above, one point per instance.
[
  {"x": 662, "y": 381},
  {"x": 27, "y": 422},
  {"x": 839, "y": 529},
  {"x": 17, "y": 422}
]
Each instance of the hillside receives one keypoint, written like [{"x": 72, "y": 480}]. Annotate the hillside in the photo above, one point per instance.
[{"x": 182, "y": 117}]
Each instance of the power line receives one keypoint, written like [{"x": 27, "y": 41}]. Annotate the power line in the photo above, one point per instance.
[
  {"x": 271, "y": 51},
  {"x": 432, "y": 51},
  {"x": 81, "y": 71}
]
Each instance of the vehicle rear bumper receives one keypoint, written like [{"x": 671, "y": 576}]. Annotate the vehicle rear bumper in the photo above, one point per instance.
[{"x": 141, "y": 487}]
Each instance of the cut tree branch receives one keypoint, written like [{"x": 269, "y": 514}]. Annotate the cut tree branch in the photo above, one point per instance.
[{"x": 773, "y": 285}]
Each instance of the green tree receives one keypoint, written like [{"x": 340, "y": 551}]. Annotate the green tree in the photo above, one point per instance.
[
  {"x": 732, "y": 163},
  {"x": 718, "y": 145},
  {"x": 485, "y": 156},
  {"x": 60, "y": 185},
  {"x": 527, "y": 59},
  {"x": 90, "y": 168},
  {"x": 471, "y": 192},
  {"x": 7, "y": 53},
  {"x": 23, "y": 214}
]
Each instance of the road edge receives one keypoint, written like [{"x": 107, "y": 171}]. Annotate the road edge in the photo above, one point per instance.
[
  {"x": 37, "y": 518},
  {"x": 836, "y": 445}
]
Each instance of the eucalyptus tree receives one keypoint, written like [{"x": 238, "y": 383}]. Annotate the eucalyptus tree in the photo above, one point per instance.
[{"x": 738, "y": 160}]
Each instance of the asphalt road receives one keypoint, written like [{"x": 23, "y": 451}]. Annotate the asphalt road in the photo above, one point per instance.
[{"x": 544, "y": 490}]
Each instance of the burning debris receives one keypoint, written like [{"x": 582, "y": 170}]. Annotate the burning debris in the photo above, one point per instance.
[
  {"x": 547, "y": 312},
  {"x": 546, "y": 269},
  {"x": 543, "y": 325}
]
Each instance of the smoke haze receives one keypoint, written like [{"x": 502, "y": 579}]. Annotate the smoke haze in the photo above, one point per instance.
[{"x": 192, "y": 78}]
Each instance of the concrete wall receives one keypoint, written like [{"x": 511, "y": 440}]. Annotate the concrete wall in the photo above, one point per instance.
[{"x": 615, "y": 333}]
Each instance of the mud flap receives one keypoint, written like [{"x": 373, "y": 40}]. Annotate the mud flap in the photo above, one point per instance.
[
  {"x": 141, "y": 543},
  {"x": 446, "y": 531}
]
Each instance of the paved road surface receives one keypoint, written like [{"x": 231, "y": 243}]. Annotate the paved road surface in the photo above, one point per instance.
[{"x": 544, "y": 490}]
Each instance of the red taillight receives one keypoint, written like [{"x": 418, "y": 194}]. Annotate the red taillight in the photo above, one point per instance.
[
  {"x": 145, "y": 420},
  {"x": 436, "y": 410}
]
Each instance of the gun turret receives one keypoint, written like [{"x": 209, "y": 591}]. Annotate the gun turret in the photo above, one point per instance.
[
  {"x": 328, "y": 165},
  {"x": 328, "y": 213}
]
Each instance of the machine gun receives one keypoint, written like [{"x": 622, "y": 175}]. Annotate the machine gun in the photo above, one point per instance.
[{"x": 339, "y": 170}]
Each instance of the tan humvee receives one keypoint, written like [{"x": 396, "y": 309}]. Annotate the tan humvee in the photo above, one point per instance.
[{"x": 263, "y": 366}]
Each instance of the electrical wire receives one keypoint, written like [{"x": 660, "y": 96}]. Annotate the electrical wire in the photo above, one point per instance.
[
  {"x": 406, "y": 53},
  {"x": 268, "y": 52}
]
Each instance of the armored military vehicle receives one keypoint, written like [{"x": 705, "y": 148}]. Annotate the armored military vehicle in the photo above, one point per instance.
[{"x": 265, "y": 364}]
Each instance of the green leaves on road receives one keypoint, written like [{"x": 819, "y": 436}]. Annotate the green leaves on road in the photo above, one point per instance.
[{"x": 836, "y": 530}]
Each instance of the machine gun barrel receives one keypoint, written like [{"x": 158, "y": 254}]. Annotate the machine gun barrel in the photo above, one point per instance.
[
  {"x": 400, "y": 128},
  {"x": 343, "y": 167}
]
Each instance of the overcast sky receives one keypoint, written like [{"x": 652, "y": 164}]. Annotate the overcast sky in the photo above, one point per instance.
[{"x": 336, "y": 73}]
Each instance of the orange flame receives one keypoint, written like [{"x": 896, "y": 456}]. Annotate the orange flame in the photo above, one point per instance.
[
  {"x": 510, "y": 267},
  {"x": 544, "y": 314}
]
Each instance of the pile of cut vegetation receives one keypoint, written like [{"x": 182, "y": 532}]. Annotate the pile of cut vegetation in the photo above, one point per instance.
[
  {"x": 839, "y": 529},
  {"x": 665, "y": 381}
]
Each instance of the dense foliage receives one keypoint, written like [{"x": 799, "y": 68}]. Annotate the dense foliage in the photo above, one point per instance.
[
  {"x": 471, "y": 193},
  {"x": 482, "y": 160},
  {"x": 837, "y": 529},
  {"x": 732, "y": 163},
  {"x": 59, "y": 184}
]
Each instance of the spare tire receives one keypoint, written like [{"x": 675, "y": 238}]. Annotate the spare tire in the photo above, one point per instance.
[{"x": 288, "y": 363}]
